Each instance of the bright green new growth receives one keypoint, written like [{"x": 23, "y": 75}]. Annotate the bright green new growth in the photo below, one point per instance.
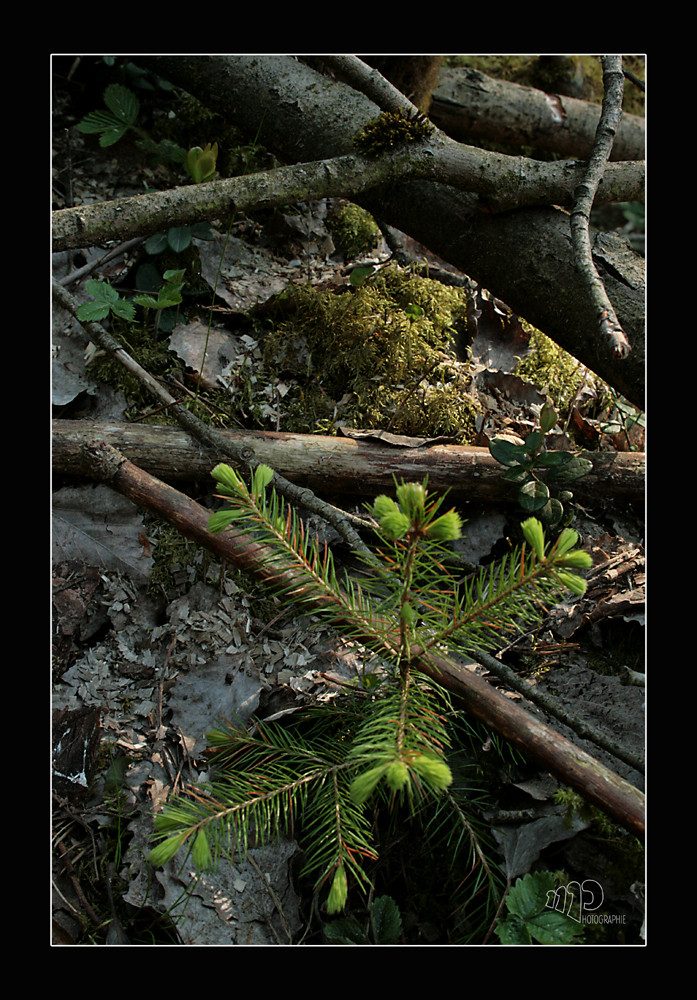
[
  {"x": 318, "y": 772},
  {"x": 168, "y": 297},
  {"x": 123, "y": 108},
  {"x": 201, "y": 163}
]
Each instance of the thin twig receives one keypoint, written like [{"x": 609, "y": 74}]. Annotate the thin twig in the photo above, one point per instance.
[
  {"x": 553, "y": 707},
  {"x": 91, "y": 266},
  {"x": 274, "y": 897},
  {"x": 217, "y": 442},
  {"x": 584, "y": 196},
  {"x": 370, "y": 82}
]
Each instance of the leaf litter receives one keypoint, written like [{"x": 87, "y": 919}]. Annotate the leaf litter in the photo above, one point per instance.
[{"x": 162, "y": 676}]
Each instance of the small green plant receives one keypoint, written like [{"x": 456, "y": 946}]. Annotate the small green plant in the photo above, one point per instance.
[
  {"x": 168, "y": 297},
  {"x": 111, "y": 125},
  {"x": 384, "y": 925},
  {"x": 320, "y": 775},
  {"x": 533, "y": 467},
  {"x": 201, "y": 163},
  {"x": 531, "y": 918},
  {"x": 123, "y": 108},
  {"x": 623, "y": 418},
  {"x": 106, "y": 300},
  {"x": 178, "y": 238}
]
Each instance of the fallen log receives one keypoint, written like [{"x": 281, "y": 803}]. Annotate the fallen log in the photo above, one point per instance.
[
  {"x": 571, "y": 765},
  {"x": 332, "y": 466},
  {"x": 523, "y": 257}
]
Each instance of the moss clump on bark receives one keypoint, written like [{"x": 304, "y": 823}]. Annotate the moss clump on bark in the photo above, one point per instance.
[
  {"x": 557, "y": 374},
  {"x": 374, "y": 356},
  {"x": 353, "y": 230}
]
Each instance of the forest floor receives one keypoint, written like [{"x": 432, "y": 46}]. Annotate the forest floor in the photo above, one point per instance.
[{"x": 153, "y": 641}]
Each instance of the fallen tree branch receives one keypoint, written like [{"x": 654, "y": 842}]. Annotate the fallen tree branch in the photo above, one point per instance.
[
  {"x": 571, "y": 765},
  {"x": 552, "y": 706},
  {"x": 236, "y": 452},
  {"x": 334, "y": 466},
  {"x": 157, "y": 211},
  {"x": 504, "y": 182},
  {"x": 469, "y": 105},
  {"x": 584, "y": 197},
  {"x": 524, "y": 256}
]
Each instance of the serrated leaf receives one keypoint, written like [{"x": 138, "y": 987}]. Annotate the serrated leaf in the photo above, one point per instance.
[
  {"x": 98, "y": 121},
  {"x": 174, "y": 277},
  {"x": 345, "y": 930},
  {"x": 101, "y": 290},
  {"x": 168, "y": 297},
  {"x": 93, "y": 312},
  {"x": 513, "y": 931},
  {"x": 146, "y": 301},
  {"x": 551, "y": 927},
  {"x": 124, "y": 309},
  {"x": 111, "y": 136},
  {"x": 386, "y": 920},
  {"x": 122, "y": 102},
  {"x": 529, "y": 894}
]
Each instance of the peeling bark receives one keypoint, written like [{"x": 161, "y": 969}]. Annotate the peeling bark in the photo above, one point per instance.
[{"x": 332, "y": 466}]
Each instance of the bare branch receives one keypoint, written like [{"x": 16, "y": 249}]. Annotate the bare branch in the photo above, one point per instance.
[
  {"x": 241, "y": 455},
  {"x": 584, "y": 197},
  {"x": 469, "y": 105},
  {"x": 333, "y": 465},
  {"x": 503, "y": 182}
]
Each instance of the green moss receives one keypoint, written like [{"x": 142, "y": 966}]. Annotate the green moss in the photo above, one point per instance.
[
  {"x": 353, "y": 229},
  {"x": 390, "y": 129},
  {"x": 385, "y": 345},
  {"x": 142, "y": 345},
  {"x": 556, "y": 373}
]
